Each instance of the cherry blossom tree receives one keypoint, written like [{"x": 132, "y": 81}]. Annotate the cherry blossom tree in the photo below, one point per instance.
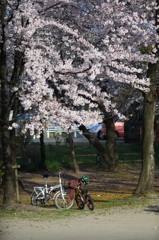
[
  {"x": 99, "y": 60},
  {"x": 78, "y": 56}
]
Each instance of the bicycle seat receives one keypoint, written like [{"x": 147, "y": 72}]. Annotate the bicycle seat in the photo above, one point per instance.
[{"x": 44, "y": 175}]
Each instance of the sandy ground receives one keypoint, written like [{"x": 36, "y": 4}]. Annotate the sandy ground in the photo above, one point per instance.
[{"x": 116, "y": 224}]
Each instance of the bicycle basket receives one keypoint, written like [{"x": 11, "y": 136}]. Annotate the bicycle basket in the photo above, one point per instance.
[{"x": 85, "y": 179}]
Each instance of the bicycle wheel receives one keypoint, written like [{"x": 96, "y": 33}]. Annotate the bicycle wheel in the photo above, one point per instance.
[
  {"x": 62, "y": 202},
  {"x": 37, "y": 198},
  {"x": 89, "y": 201},
  {"x": 79, "y": 201}
]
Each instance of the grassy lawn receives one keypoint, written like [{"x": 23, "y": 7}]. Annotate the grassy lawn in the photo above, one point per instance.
[
  {"x": 58, "y": 155},
  {"x": 103, "y": 204}
]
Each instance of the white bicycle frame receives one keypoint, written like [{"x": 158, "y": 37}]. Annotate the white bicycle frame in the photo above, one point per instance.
[{"x": 44, "y": 190}]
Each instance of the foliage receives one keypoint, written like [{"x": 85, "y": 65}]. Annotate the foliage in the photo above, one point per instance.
[
  {"x": 52, "y": 165},
  {"x": 147, "y": 50}
]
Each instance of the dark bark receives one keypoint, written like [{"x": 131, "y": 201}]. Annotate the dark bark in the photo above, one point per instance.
[
  {"x": 146, "y": 180},
  {"x": 12, "y": 136},
  {"x": 8, "y": 181},
  {"x": 8, "y": 176},
  {"x": 73, "y": 156},
  {"x": 8, "y": 100},
  {"x": 42, "y": 151},
  {"x": 112, "y": 152},
  {"x": 111, "y": 142},
  {"x": 13, "y": 145},
  {"x": 95, "y": 142}
]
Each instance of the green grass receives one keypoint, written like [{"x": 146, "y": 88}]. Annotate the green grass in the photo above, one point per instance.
[
  {"x": 45, "y": 213},
  {"x": 134, "y": 151}
]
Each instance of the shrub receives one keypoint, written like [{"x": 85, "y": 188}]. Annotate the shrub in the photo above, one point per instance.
[{"x": 53, "y": 165}]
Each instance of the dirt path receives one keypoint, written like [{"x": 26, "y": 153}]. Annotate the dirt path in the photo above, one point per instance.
[{"x": 116, "y": 224}]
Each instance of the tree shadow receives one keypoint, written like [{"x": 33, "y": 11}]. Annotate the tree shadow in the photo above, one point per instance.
[{"x": 152, "y": 209}]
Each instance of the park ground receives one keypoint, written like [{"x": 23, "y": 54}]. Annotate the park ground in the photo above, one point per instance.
[
  {"x": 110, "y": 220},
  {"x": 115, "y": 224}
]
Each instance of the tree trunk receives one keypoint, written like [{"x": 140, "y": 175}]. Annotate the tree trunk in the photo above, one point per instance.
[
  {"x": 146, "y": 180},
  {"x": 13, "y": 154},
  {"x": 76, "y": 167},
  {"x": 8, "y": 101},
  {"x": 9, "y": 186},
  {"x": 111, "y": 142},
  {"x": 8, "y": 181},
  {"x": 95, "y": 142},
  {"x": 12, "y": 136},
  {"x": 42, "y": 151},
  {"x": 12, "y": 145}
]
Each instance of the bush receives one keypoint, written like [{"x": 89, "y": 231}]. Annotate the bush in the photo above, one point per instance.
[{"x": 53, "y": 165}]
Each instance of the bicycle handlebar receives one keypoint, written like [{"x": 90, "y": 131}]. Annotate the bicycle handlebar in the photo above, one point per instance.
[
  {"x": 46, "y": 175},
  {"x": 61, "y": 173}
]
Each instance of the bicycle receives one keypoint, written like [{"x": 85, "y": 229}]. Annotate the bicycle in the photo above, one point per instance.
[
  {"x": 42, "y": 194},
  {"x": 82, "y": 197}
]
